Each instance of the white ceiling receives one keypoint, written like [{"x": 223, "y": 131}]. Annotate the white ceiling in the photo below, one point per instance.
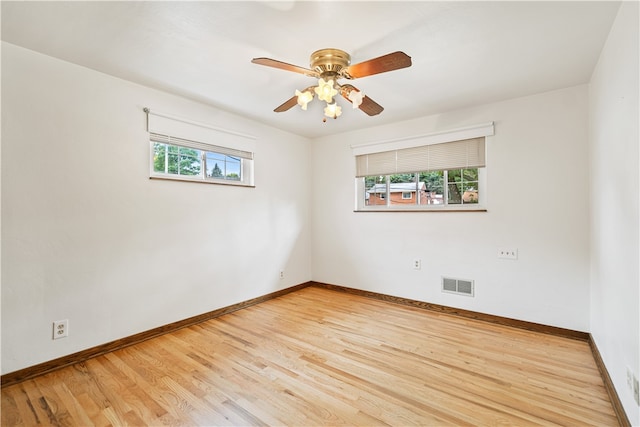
[{"x": 463, "y": 53}]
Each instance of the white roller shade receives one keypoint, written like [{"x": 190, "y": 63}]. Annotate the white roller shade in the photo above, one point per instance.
[
  {"x": 172, "y": 140},
  {"x": 410, "y": 141},
  {"x": 162, "y": 125}
]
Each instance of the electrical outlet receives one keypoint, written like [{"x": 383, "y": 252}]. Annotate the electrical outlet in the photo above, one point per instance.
[
  {"x": 281, "y": 274},
  {"x": 417, "y": 264},
  {"x": 60, "y": 329},
  {"x": 636, "y": 391},
  {"x": 629, "y": 378},
  {"x": 508, "y": 253}
]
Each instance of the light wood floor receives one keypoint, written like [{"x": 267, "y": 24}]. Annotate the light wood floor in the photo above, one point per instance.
[{"x": 319, "y": 357}]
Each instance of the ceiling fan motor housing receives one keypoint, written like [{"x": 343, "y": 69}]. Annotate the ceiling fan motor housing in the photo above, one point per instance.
[{"x": 329, "y": 62}]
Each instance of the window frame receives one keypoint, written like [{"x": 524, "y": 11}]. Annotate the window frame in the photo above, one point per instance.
[
  {"x": 246, "y": 165},
  {"x": 188, "y": 133},
  {"x": 480, "y": 206},
  {"x": 461, "y": 148}
]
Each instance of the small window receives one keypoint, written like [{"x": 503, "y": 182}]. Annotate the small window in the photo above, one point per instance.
[
  {"x": 406, "y": 195},
  {"x": 174, "y": 158}
]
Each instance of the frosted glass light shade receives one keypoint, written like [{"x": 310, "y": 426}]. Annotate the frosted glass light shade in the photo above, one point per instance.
[
  {"x": 333, "y": 110},
  {"x": 304, "y": 98},
  {"x": 325, "y": 90},
  {"x": 355, "y": 96}
]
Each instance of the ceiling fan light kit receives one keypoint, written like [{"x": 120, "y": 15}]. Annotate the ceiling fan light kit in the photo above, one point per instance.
[
  {"x": 326, "y": 90},
  {"x": 333, "y": 110},
  {"x": 330, "y": 65},
  {"x": 303, "y": 98}
]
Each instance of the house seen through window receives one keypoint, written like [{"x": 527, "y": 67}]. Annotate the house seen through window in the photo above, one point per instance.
[{"x": 447, "y": 187}]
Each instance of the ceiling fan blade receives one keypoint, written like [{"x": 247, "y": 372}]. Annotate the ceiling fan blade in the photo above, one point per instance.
[
  {"x": 382, "y": 64},
  {"x": 368, "y": 105},
  {"x": 287, "y": 104},
  {"x": 284, "y": 66}
]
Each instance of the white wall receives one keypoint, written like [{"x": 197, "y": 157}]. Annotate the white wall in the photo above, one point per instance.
[
  {"x": 86, "y": 236},
  {"x": 537, "y": 202},
  {"x": 615, "y": 187}
]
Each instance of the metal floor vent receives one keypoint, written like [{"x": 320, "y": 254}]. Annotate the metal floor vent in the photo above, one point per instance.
[{"x": 457, "y": 286}]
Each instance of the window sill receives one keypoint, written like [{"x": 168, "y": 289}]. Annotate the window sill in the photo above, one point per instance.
[
  {"x": 422, "y": 210},
  {"x": 202, "y": 181}
]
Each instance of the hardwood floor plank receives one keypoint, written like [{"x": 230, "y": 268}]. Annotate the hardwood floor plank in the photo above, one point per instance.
[
  {"x": 122, "y": 393},
  {"x": 321, "y": 357},
  {"x": 33, "y": 396}
]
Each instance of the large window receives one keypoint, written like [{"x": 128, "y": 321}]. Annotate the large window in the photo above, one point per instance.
[
  {"x": 448, "y": 175},
  {"x": 423, "y": 189}
]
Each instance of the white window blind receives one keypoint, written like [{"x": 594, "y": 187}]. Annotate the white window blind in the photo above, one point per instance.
[{"x": 467, "y": 153}]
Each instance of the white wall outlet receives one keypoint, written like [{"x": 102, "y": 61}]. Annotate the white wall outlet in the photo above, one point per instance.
[
  {"x": 629, "y": 378},
  {"x": 508, "y": 253},
  {"x": 281, "y": 274},
  {"x": 60, "y": 329},
  {"x": 417, "y": 264}
]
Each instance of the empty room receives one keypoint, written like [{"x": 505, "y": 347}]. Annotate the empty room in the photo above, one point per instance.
[{"x": 310, "y": 213}]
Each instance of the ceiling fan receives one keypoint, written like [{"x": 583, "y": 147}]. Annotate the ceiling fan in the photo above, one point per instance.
[{"x": 330, "y": 65}]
